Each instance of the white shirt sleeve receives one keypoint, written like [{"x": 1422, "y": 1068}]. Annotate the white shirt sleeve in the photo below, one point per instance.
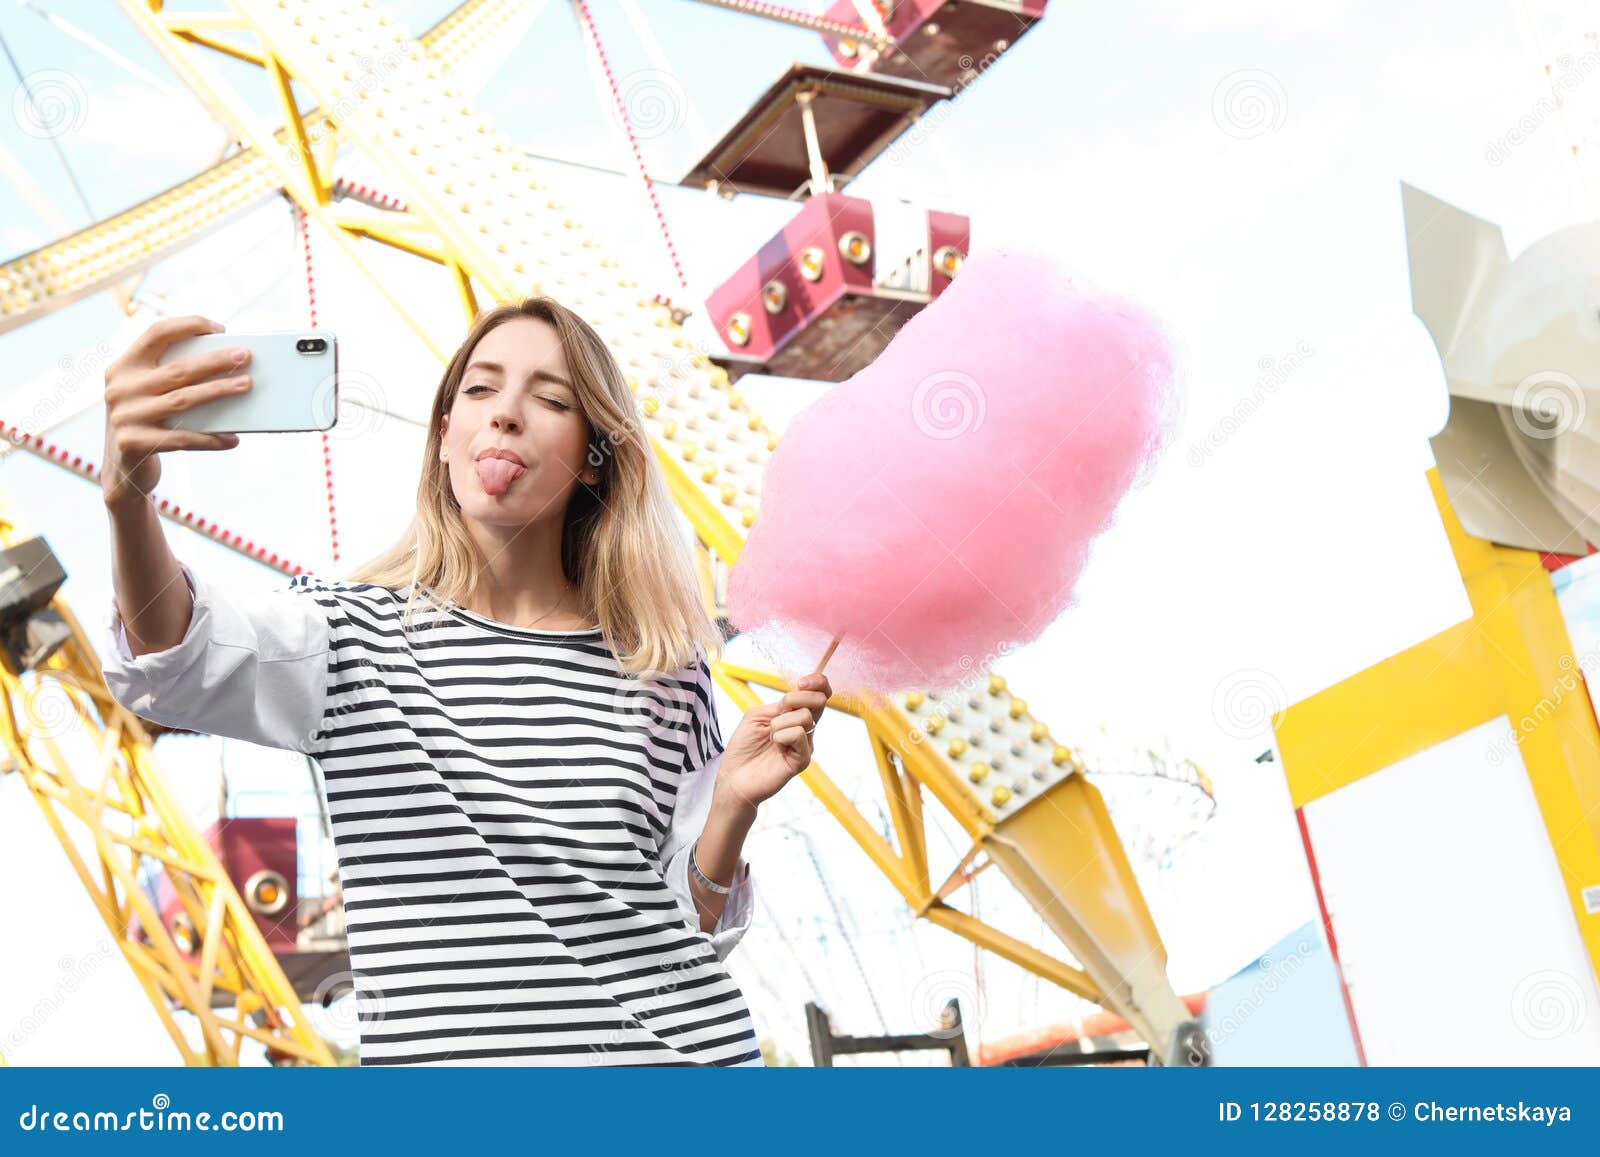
[
  {"x": 693, "y": 804},
  {"x": 251, "y": 666}
]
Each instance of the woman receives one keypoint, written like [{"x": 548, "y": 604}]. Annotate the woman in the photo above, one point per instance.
[{"x": 538, "y": 828}]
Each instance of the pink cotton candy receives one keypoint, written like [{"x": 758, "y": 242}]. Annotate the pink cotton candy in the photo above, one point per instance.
[{"x": 939, "y": 506}]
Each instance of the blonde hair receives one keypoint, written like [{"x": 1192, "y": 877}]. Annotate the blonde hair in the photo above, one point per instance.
[{"x": 621, "y": 544}]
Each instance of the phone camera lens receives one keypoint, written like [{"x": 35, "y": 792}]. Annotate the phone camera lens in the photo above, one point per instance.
[{"x": 314, "y": 345}]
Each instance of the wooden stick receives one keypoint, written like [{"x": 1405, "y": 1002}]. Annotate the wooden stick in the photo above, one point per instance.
[{"x": 828, "y": 654}]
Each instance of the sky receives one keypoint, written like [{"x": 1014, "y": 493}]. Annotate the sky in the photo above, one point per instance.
[{"x": 1236, "y": 168}]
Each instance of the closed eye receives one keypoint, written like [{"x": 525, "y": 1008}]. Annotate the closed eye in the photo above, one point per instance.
[{"x": 473, "y": 391}]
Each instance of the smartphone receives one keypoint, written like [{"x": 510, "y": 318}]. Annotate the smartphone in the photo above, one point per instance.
[{"x": 294, "y": 383}]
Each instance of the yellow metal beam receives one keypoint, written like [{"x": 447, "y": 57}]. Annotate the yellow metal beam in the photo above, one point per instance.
[
  {"x": 888, "y": 861},
  {"x": 1074, "y": 980},
  {"x": 907, "y": 823},
  {"x": 218, "y": 44},
  {"x": 1510, "y": 657},
  {"x": 316, "y": 181},
  {"x": 1420, "y": 697},
  {"x": 100, "y": 256},
  {"x": 1062, "y": 852},
  {"x": 122, "y": 804},
  {"x": 286, "y": 153},
  {"x": 464, "y": 290}
]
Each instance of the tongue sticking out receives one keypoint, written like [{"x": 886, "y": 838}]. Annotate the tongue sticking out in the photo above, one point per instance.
[{"x": 497, "y": 474}]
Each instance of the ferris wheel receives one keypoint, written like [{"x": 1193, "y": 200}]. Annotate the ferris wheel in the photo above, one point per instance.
[{"x": 360, "y": 181}]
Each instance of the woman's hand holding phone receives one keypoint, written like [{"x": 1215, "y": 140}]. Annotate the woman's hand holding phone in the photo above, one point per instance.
[{"x": 141, "y": 394}]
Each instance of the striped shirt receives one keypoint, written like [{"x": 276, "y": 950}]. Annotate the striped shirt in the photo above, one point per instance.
[{"x": 512, "y": 819}]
